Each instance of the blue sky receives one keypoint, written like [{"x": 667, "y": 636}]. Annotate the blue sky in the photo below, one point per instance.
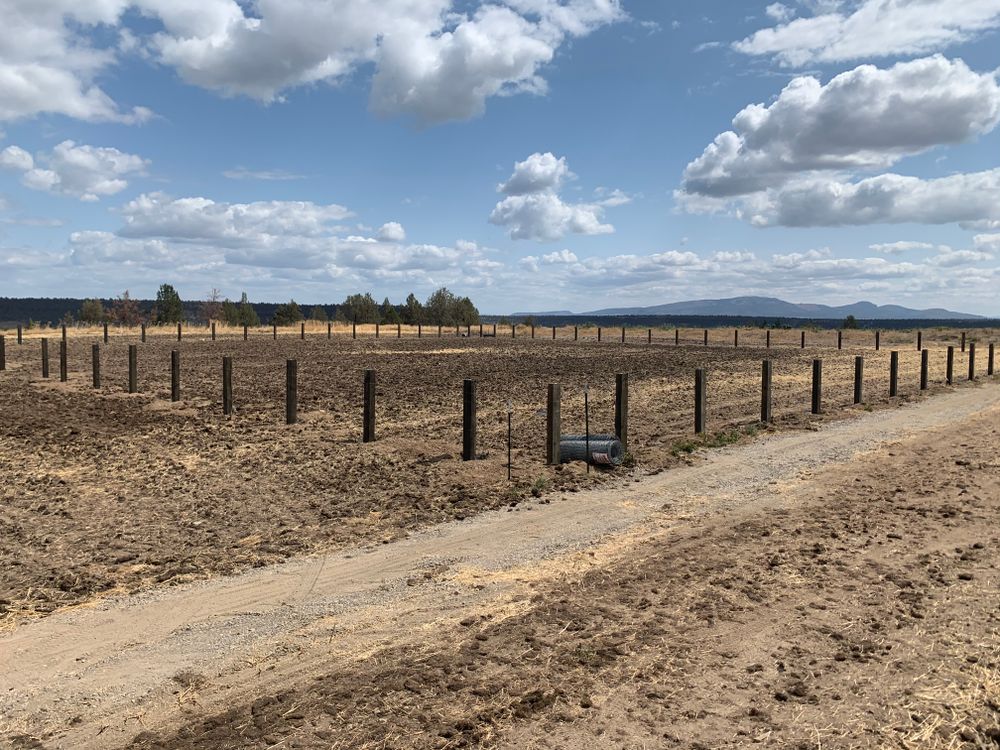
[{"x": 533, "y": 154}]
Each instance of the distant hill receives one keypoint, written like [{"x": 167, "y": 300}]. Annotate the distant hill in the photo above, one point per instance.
[{"x": 771, "y": 307}]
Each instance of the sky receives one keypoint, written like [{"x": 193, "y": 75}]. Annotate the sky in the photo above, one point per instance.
[{"x": 534, "y": 155}]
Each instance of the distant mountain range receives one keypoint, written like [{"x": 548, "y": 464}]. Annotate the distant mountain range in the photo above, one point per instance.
[{"x": 771, "y": 307}]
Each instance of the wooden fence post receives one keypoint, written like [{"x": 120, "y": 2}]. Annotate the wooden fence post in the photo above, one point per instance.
[
  {"x": 178, "y": 331},
  {"x": 649, "y": 336},
  {"x": 963, "y": 341},
  {"x": 920, "y": 341},
  {"x": 817, "y": 386},
  {"x": 576, "y": 333},
  {"x": 677, "y": 337},
  {"x": 924, "y": 368},
  {"x": 766, "y": 373},
  {"x": 378, "y": 330},
  {"x": 990, "y": 360},
  {"x": 213, "y": 330},
  {"x": 623, "y": 334},
  {"x": 399, "y": 330},
  {"x": 494, "y": 330},
  {"x": 878, "y": 340},
  {"x": 893, "y": 374},
  {"x": 736, "y": 338},
  {"x": 598, "y": 334},
  {"x": 175, "y": 375},
  {"x": 803, "y": 340},
  {"x": 354, "y": 328},
  {"x": 63, "y": 332},
  {"x": 767, "y": 339},
  {"x": 369, "y": 409},
  {"x": 142, "y": 333},
  {"x": 274, "y": 331},
  {"x": 553, "y": 424},
  {"x": 3, "y": 353},
  {"x": 621, "y": 409},
  {"x": 95, "y": 364},
  {"x": 972, "y": 360},
  {"x": 469, "y": 420},
  {"x": 840, "y": 339},
  {"x": 133, "y": 368},
  {"x": 532, "y": 330},
  {"x": 706, "y": 337},
  {"x": 553, "y": 333},
  {"x": 45, "y": 357},
  {"x": 291, "y": 391},
  {"x": 513, "y": 330},
  {"x": 950, "y": 371},
  {"x": 20, "y": 332},
  {"x": 227, "y": 386},
  {"x": 420, "y": 330},
  {"x": 302, "y": 331},
  {"x": 859, "y": 379},
  {"x": 246, "y": 333},
  {"x": 329, "y": 331},
  {"x": 439, "y": 330},
  {"x": 700, "y": 411},
  {"x": 63, "y": 364},
  {"x": 105, "y": 333}
]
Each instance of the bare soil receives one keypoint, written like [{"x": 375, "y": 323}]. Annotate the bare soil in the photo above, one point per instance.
[
  {"x": 105, "y": 492},
  {"x": 857, "y": 608}
]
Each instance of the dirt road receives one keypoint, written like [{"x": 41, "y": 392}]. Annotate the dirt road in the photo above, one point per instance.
[{"x": 767, "y": 589}]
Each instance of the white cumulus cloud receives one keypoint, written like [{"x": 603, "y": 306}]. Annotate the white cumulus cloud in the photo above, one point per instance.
[
  {"x": 841, "y": 32},
  {"x": 84, "y": 172}
]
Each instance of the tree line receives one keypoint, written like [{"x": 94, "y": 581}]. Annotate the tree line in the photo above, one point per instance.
[{"x": 442, "y": 307}]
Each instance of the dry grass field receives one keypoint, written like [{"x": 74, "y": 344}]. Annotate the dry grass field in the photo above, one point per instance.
[{"x": 107, "y": 494}]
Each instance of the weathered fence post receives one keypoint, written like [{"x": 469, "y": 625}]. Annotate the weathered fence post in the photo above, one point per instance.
[
  {"x": 767, "y": 338},
  {"x": 576, "y": 333},
  {"x": 480, "y": 330},
  {"x": 45, "y": 357},
  {"x": 598, "y": 334},
  {"x": 621, "y": 409},
  {"x": 420, "y": 330},
  {"x": 963, "y": 341},
  {"x": 378, "y": 330},
  {"x": 246, "y": 333},
  {"x": 532, "y": 330},
  {"x": 513, "y": 330},
  {"x": 949, "y": 376},
  {"x": 840, "y": 339},
  {"x": 178, "y": 331},
  {"x": 924, "y": 368},
  {"x": 291, "y": 391},
  {"x": 706, "y": 337},
  {"x": 329, "y": 331},
  {"x": 302, "y": 331},
  {"x": 440, "y": 328},
  {"x": 803, "y": 340},
  {"x": 553, "y": 333},
  {"x": 736, "y": 338},
  {"x": 623, "y": 334},
  {"x": 63, "y": 332},
  {"x": 3, "y": 353},
  {"x": 700, "y": 410},
  {"x": 399, "y": 330},
  {"x": 893, "y": 374},
  {"x": 766, "y": 373},
  {"x": 142, "y": 333},
  {"x": 133, "y": 368},
  {"x": 213, "y": 330},
  {"x": 105, "y": 333},
  {"x": 649, "y": 336},
  {"x": 175, "y": 375},
  {"x": 972, "y": 360},
  {"x": 20, "y": 332},
  {"x": 469, "y": 420},
  {"x": 369, "y": 408},
  {"x": 817, "y": 386},
  {"x": 920, "y": 341},
  {"x": 95, "y": 364},
  {"x": 990, "y": 360},
  {"x": 274, "y": 331},
  {"x": 494, "y": 330},
  {"x": 878, "y": 340},
  {"x": 677, "y": 337},
  {"x": 63, "y": 364},
  {"x": 859, "y": 379},
  {"x": 553, "y": 424},
  {"x": 227, "y": 386},
  {"x": 354, "y": 328}
]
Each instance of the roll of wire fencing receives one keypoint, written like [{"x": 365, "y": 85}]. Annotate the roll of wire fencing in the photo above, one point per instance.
[{"x": 605, "y": 450}]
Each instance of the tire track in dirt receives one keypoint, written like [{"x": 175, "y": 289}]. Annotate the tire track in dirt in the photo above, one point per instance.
[{"x": 96, "y": 675}]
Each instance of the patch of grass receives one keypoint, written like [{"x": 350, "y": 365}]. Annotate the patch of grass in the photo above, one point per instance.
[{"x": 539, "y": 486}]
